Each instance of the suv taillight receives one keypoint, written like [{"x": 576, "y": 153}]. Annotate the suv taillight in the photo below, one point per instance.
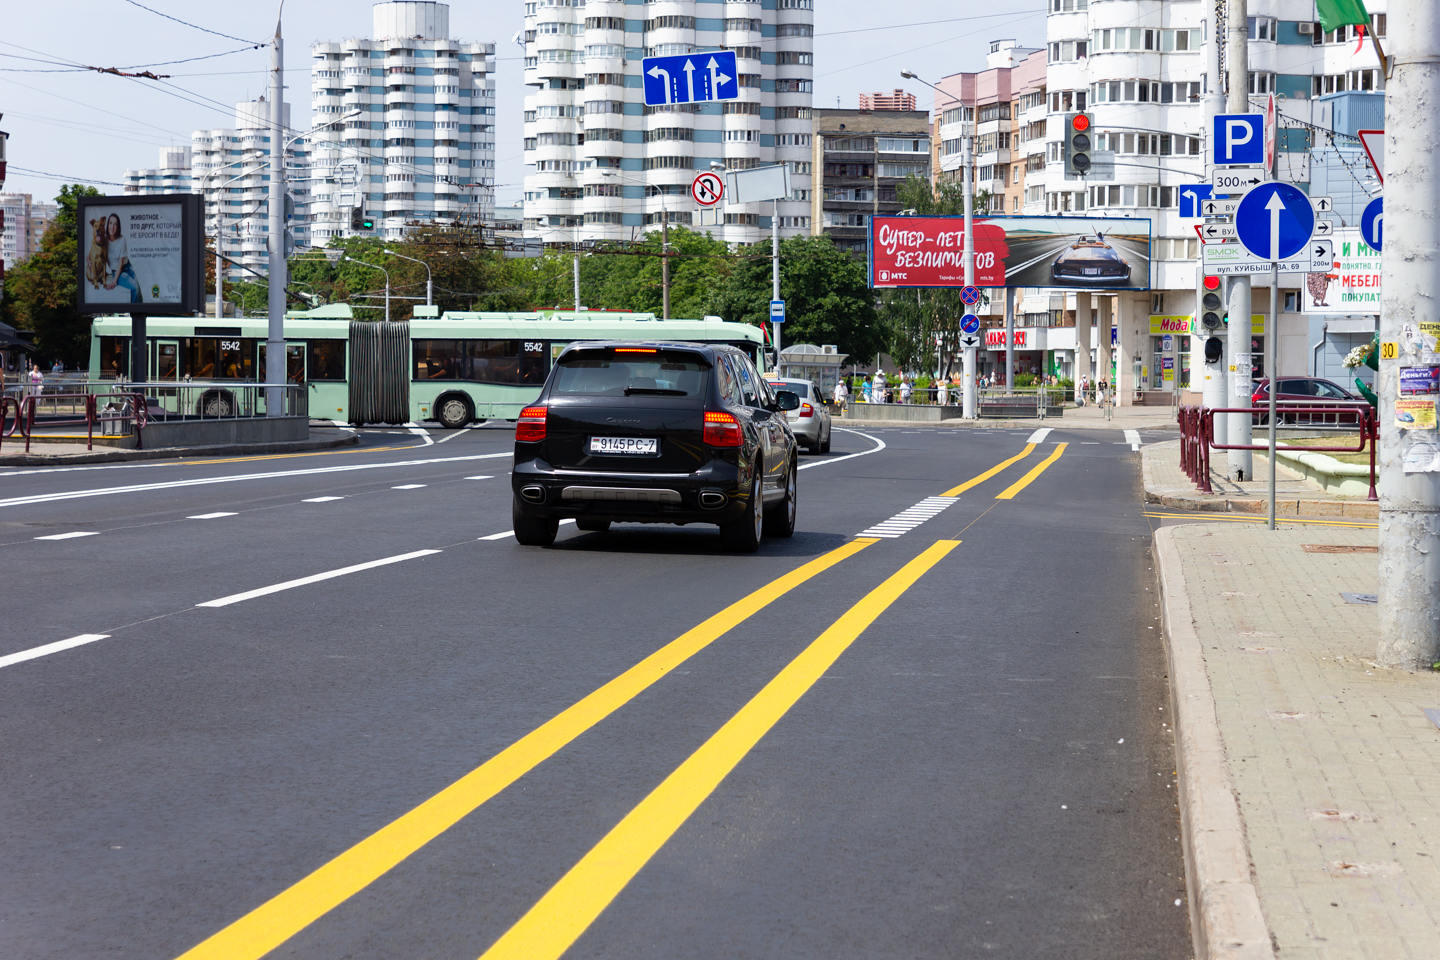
[
  {"x": 721, "y": 429},
  {"x": 531, "y": 425}
]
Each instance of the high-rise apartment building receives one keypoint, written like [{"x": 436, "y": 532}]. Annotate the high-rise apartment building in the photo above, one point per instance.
[
  {"x": 171, "y": 176},
  {"x": 894, "y": 100},
  {"x": 1139, "y": 69},
  {"x": 602, "y": 165},
  {"x": 859, "y": 156},
  {"x": 406, "y": 122},
  {"x": 230, "y": 166},
  {"x": 23, "y": 222}
]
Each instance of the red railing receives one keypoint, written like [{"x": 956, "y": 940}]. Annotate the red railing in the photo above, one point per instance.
[
  {"x": 119, "y": 406},
  {"x": 1197, "y": 439}
]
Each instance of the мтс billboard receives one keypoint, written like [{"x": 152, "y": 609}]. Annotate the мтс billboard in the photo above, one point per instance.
[{"x": 1081, "y": 253}]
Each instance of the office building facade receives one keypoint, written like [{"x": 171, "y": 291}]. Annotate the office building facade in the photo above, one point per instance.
[
  {"x": 405, "y": 126},
  {"x": 601, "y": 165},
  {"x": 858, "y": 159}
]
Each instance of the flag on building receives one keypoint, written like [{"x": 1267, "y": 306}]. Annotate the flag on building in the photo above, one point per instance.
[{"x": 1339, "y": 13}]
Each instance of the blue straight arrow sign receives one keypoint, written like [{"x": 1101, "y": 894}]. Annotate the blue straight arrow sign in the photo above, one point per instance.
[{"x": 1274, "y": 221}]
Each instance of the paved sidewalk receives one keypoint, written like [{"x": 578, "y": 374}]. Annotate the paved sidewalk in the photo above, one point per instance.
[
  {"x": 54, "y": 453},
  {"x": 1309, "y": 776},
  {"x": 1074, "y": 418}
]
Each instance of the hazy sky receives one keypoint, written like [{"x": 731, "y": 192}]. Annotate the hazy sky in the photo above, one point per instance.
[{"x": 88, "y": 126}]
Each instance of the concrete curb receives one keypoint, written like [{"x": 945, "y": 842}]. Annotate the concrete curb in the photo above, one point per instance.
[
  {"x": 1226, "y": 921},
  {"x": 347, "y": 438}
]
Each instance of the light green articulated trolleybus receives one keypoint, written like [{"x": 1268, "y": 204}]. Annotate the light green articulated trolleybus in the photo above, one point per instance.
[{"x": 455, "y": 368}]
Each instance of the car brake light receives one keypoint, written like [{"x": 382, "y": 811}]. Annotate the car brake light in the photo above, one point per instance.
[
  {"x": 635, "y": 350},
  {"x": 721, "y": 429},
  {"x": 806, "y": 410},
  {"x": 531, "y": 425}
]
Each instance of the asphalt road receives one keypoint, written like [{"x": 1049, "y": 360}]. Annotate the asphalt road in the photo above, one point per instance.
[{"x": 325, "y": 706}]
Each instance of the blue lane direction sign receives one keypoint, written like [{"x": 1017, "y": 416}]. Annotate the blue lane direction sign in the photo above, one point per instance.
[
  {"x": 1190, "y": 196},
  {"x": 969, "y": 323},
  {"x": 777, "y": 311},
  {"x": 1372, "y": 223},
  {"x": 690, "y": 78},
  {"x": 1274, "y": 221},
  {"x": 1239, "y": 139},
  {"x": 970, "y": 295}
]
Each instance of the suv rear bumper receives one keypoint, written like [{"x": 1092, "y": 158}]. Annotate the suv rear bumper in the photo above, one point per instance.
[{"x": 716, "y": 493}]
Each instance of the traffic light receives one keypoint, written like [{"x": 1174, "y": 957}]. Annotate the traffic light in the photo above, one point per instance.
[
  {"x": 355, "y": 215},
  {"x": 1077, "y": 144},
  {"x": 1212, "y": 304},
  {"x": 1213, "y": 349}
]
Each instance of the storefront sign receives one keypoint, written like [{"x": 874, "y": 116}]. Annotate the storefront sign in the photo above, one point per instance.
[
  {"x": 1351, "y": 285},
  {"x": 1174, "y": 323},
  {"x": 996, "y": 338}
]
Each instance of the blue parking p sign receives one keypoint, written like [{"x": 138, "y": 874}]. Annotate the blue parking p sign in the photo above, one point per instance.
[{"x": 1239, "y": 139}]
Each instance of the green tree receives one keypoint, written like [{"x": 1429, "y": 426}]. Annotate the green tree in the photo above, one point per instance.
[
  {"x": 42, "y": 289},
  {"x": 826, "y": 293}
]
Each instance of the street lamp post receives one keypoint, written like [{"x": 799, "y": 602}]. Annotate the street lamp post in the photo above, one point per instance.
[
  {"x": 967, "y": 163},
  {"x": 367, "y": 263},
  {"x": 429, "y": 286}
]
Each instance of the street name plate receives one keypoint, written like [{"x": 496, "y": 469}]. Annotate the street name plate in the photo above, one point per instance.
[
  {"x": 1218, "y": 230},
  {"x": 1237, "y": 181},
  {"x": 1231, "y": 259},
  {"x": 1218, "y": 208}
]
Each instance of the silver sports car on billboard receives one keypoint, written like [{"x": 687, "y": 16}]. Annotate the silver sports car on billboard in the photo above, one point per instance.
[{"x": 1090, "y": 259}]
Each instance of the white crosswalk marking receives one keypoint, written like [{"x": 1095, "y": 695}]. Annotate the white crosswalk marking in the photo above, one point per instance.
[
  {"x": 909, "y": 518},
  {"x": 1132, "y": 437}
]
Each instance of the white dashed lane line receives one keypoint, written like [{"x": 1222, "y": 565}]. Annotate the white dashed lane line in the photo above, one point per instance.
[
  {"x": 907, "y": 520},
  {"x": 315, "y": 578},
  {"x": 212, "y": 516},
  {"x": 9, "y": 660},
  {"x": 70, "y": 536},
  {"x": 321, "y": 499},
  {"x": 409, "y": 486}
]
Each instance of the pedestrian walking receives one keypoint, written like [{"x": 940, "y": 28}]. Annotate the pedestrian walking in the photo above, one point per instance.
[
  {"x": 37, "y": 381},
  {"x": 942, "y": 392},
  {"x": 842, "y": 393},
  {"x": 905, "y": 389},
  {"x": 866, "y": 390}
]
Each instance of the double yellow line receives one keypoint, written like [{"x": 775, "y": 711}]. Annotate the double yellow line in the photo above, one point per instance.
[{"x": 569, "y": 907}]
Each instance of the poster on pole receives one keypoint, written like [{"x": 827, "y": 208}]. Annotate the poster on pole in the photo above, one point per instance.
[
  {"x": 141, "y": 254},
  {"x": 1351, "y": 285},
  {"x": 1077, "y": 253}
]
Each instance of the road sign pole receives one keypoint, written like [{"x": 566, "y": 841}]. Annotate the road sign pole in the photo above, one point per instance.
[
  {"x": 969, "y": 396},
  {"x": 1271, "y": 329},
  {"x": 1409, "y": 608},
  {"x": 775, "y": 270},
  {"x": 1237, "y": 360},
  {"x": 1212, "y": 378}
]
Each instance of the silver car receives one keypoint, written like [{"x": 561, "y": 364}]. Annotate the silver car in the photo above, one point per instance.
[{"x": 811, "y": 421}]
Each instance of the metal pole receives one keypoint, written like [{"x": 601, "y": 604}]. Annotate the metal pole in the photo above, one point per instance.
[
  {"x": 1410, "y": 274},
  {"x": 275, "y": 341},
  {"x": 139, "y": 350},
  {"x": 575, "y": 275},
  {"x": 1270, "y": 354},
  {"x": 775, "y": 270},
  {"x": 429, "y": 289},
  {"x": 1010, "y": 339},
  {"x": 1237, "y": 360},
  {"x": 665, "y": 263},
  {"x": 218, "y": 279},
  {"x": 387, "y": 296},
  {"x": 970, "y": 398},
  {"x": 1210, "y": 378}
]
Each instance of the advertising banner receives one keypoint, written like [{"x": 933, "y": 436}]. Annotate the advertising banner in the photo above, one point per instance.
[
  {"x": 141, "y": 254},
  {"x": 1351, "y": 285},
  {"x": 1078, "y": 253}
]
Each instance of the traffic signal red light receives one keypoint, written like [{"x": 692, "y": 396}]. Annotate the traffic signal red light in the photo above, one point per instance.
[
  {"x": 1081, "y": 122},
  {"x": 1212, "y": 283}
]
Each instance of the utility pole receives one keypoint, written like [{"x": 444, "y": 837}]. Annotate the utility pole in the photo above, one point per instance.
[
  {"x": 1410, "y": 274},
  {"x": 1212, "y": 379},
  {"x": 1237, "y": 360},
  {"x": 664, "y": 262},
  {"x": 775, "y": 270},
  {"x": 275, "y": 359},
  {"x": 575, "y": 274}
]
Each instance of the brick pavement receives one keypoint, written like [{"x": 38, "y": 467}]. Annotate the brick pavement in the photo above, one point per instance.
[{"x": 1333, "y": 763}]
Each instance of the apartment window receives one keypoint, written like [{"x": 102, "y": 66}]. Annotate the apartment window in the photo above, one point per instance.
[
  {"x": 897, "y": 145},
  {"x": 1260, "y": 28}
]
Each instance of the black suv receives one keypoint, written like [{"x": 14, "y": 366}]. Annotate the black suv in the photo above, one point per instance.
[{"x": 655, "y": 432}]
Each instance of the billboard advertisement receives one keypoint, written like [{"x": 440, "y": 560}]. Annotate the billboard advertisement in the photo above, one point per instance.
[
  {"x": 1351, "y": 285},
  {"x": 1077, "y": 253},
  {"x": 141, "y": 254}
]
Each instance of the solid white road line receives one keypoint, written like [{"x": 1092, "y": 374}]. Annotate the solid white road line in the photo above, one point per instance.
[
  {"x": 485, "y": 476},
  {"x": 879, "y": 445},
  {"x": 420, "y": 432},
  {"x": 321, "y": 499},
  {"x": 304, "y": 581},
  {"x": 1132, "y": 437},
  {"x": 70, "y": 536},
  {"x": 212, "y": 516},
  {"x": 1039, "y": 435},
  {"x": 9, "y": 660},
  {"x": 510, "y": 533},
  {"x": 235, "y": 478},
  {"x": 409, "y": 486}
]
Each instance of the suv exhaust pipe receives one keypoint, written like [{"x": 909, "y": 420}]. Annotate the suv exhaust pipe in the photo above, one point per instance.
[
  {"x": 711, "y": 499},
  {"x": 534, "y": 493}
]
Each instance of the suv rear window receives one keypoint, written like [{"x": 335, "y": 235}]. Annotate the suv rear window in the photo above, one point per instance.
[{"x": 622, "y": 374}]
